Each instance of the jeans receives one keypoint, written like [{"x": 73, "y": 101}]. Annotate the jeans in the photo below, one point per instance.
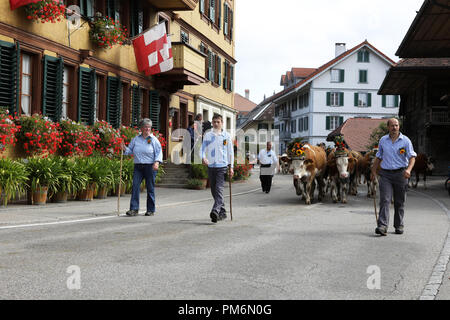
[
  {"x": 143, "y": 171},
  {"x": 217, "y": 183},
  {"x": 392, "y": 184}
]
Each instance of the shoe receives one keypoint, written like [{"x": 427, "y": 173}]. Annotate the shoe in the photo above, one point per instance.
[
  {"x": 381, "y": 231},
  {"x": 399, "y": 230},
  {"x": 222, "y": 216},
  {"x": 214, "y": 217},
  {"x": 132, "y": 213},
  {"x": 267, "y": 191},
  {"x": 149, "y": 213}
]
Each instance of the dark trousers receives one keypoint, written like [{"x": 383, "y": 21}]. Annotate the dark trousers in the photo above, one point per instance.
[
  {"x": 217, "y": 181},
  {"x": 143, "y": 171},
  {"x": 266, "y": 183},
  {"x": 392, "y": 183}
]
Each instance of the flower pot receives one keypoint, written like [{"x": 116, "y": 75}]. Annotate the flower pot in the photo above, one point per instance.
[
  {"x": 60, "y": 197},
  {"x": 115, "y": 191},
  {"x": 40, "y": 195},
  {"x": 87, "y": 194},
  {"x": 102, "y": 193}
]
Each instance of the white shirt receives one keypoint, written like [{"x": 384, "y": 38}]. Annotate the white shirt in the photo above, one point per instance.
[{"x": 265, "y": 157}]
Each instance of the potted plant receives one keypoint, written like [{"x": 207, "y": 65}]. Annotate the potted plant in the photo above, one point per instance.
[
  {"x": 13, "y": 179},
  {"x": 8, "y": 130},
  {"x": 102, "y": 176},
  {"x": 78, "y": 177},
  {"x": 200, "y": 171},
  {"x": 88, "y": 167},
  {"x": 45, "y": 11},
  {"x": 196, "y": 184},
  {"x": 127, "y": 174},
  {"x": 105, "y": 32},
  {"x": 41, "y": 178},
  {"x": 115, "y": 169}
]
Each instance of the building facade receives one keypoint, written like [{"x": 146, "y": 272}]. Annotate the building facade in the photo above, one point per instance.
[
  {"x": 57, "y": 70},
  {"x": 343, "y": 88}
]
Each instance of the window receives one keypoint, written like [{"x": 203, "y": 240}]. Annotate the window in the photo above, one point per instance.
[
  {"x": 389, "y": 101},
  {"x": 86, "y": 96},
  {"x": 136, "y": 18},
  {"x": 300, "y": 124},
  {"x": 228, "y": 123},
  {"x": 362, "y": 76},
  {"x": 337, "y": 75},
  {"x": 294, "y": 104},
  {"x": 114, "y": 101},
  {"x": 25, "y": 85},
  {"x": 87, "y": 8},
  {"x": 363, "y": 99},
  {"x": 332, "y": 122},
  {"x": 136, "y": 104},
  {"x": 164, "y": 20},
  {"x": 305, "y": 123},
  {"x": 363, "y": 55},
  {"x": 154, "y": 108},
  {"x": 212, "y": 11},
  {"x": 66, "y": 85},
  {"x": 52, "y": 87},
  {"x": 97, "y": 97},
  {"x": 335, "y": 99},
  {"x": 306, "y": 99},
  {"x": 184, "y": 36},
  {"x": 113, "y": 9},
  {"x": 293, "y": 126}
]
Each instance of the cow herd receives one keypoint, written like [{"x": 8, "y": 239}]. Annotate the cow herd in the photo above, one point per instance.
[{"x": 336, "y": 170}]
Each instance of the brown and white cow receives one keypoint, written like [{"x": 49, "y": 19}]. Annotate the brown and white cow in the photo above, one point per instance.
[
  {"x": 366, "y": 166},
  {"x": 355, "y": 179},
  {"x": 284, "y": 163},
  {"x": 341, "y": 168},
  {"x": 308, "y": 169},
  {"x": 423, "y": 165}
]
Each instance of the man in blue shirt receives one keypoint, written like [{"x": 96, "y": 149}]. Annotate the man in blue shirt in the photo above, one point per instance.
[
  {"x": 397, "y": 157},
  {"x": 217, "y": 154}
]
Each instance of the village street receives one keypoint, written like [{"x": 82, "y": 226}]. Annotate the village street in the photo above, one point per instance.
[{"x": 276, "y": 247}]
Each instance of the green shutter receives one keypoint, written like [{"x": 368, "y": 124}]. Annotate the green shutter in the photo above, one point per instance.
[
  {"x": 231, "y": 78},
  {"x": 52, "y": 87},
  {"x": 360, "y": 53},
  {"x": 356, "y": 99},
  {"x": 327, "y": 123},
  {"x": 212, "y": 10},
  {"x": 219, "y": 69},
  {"x": 383, "y": 101},
  {"x": 202, "y": 6},
  {"x": 225, "y": 18},
  {"x": 396, "y": 98},
  {"x": 231, "y": 24},
  {"x": 9, "y": 76},
  {"x": 225, "y": 76},
  {"x": 369, "y": 99},
  {"x": 114, "y": 102},
  {"x": 341, "y": 75},
  {"x": 341, "y": 120},
  {"x": 86, "y": 95},
  {"x": 328, "y": 98},
  {"x": 135, "y": 105},
  {"x": 341, "y": 99},
  {"x": 219, "y": 7},
  {"x": 154, "y": 107}
]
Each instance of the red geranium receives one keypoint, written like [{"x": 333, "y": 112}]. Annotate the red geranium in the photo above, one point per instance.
[{"x": 45, "y": 11}]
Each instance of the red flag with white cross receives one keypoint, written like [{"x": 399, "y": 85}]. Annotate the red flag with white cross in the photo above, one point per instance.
[{"x": 153, "y": 51}]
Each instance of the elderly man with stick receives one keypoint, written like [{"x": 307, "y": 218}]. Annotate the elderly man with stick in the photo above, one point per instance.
[
  {"x": 397, "y": 157},
  {"x": 217, "y": 154},
  {"x": 147, "y": 152}
]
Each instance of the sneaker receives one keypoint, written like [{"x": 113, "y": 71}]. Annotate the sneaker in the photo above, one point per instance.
[
  {"x": 132, "y": 213},
  {"x": 399, "y": 230},
  {"x": 149, "y": 213},
  {"x": 381, "y": 231},
  {"x": 214, "y": 217}
]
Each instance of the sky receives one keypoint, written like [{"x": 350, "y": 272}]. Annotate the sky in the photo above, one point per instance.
[{"x": 271, "y": 37}]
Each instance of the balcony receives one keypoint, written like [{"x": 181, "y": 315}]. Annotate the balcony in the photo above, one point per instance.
[
  {"x": 177, "y": 5},
  {"x": 438, "y": 116},
  {"x": 188, "y": 68},
  {"x": 285, "y": 135},
  {"x": 284, "y": 115}
]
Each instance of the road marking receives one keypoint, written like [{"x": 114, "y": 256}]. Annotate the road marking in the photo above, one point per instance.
[{"x": 114, "y": 216}]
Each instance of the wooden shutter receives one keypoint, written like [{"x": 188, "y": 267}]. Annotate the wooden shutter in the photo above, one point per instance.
[
  {"x": 396, "y": 100},
  {"x": 341, "y": 120},
  {"x": 219, "y": 15},
  {"x": 202, "y": 6},
  {"x": 360, "y": 53},
  {"x": 305, "y": 125},
  {"x": 383, "y": 101},
  {"x": 52, "y": 87},
  {"x": 86, "y": 95},
  {"x": 369, "y": 99},
  {"x": 230, "y": 23},
  {"x": 135, "y": 105},
  {"x": 327, "y": 123},
  {"x": 225, "y": 77},
  {"x": 114, "y": 102},
  {"x": 154, "y": 109},
  {"x": 231, "y": 78},
  {"x": 341, "y": 99},
  {"x": 225, "y": 18},
  {"x": 356, "y": 99},
  {"x": 213, "y": 67},
  {"x": 212, "y": 10},
  {"x": 9, "y": 76},
  {"x": 341, "y": 75},
  {"x": 219, "y": 70},
  {"x": 328, "y": 98}
]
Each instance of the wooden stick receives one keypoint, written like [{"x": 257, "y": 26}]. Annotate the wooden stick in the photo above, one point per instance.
[
  {"x": 229, "y": 183},
  {"x": 120, "y": 183},
  {"x": 375, "y": 203}
]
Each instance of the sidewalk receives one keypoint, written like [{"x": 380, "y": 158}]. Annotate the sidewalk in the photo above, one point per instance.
[{"x": 18, "y": 214}]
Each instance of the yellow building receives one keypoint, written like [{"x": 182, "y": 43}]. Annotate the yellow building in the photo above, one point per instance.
[{"x": 57, "y": 70}]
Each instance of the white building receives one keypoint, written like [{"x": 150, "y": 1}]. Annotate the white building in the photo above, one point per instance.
[{"x": 345, "y": 87}]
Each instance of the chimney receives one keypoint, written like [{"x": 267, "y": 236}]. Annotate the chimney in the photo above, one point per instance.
[
  {"x": 247, "y": 94},
  {"x": 340, "y": 49}
]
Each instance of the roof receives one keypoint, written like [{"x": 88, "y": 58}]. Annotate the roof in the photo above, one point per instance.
[
  {"x": 356, "y": 132},
  {"x": 243, "y": 104},
  {"x": 299, "y": 73},
  {"x": 331, "y": 63},
  {"x": 406, "y": 74},
  {"x": 428, "y": 35},
  {"x": 262, "y": 112}
]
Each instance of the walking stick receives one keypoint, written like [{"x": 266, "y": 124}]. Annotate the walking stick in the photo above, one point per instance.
[
  {"x": 229, "y": 183},
  {"x": 375, "y": 203},
  {"x": 120, "y": 183}
]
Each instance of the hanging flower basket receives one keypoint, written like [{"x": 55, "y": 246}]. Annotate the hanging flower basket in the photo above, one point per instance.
[
  {"x": 105, "y": 32},
  {"x": 45, "y": 11}
]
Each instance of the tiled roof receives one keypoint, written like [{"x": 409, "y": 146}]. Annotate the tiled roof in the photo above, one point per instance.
[
  {"x": 423, "y": 63},
  {"x": 356, "y": 132},
  {"x": 243, "y": 104},
  {"x": 262, "y": 112},
  {"x": 302, "y": 72}
]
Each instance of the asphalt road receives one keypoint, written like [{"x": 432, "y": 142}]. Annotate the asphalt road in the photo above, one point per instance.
[{"x": 276, "y": 247}]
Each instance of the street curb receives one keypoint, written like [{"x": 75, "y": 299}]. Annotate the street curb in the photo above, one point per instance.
[{"x": 435, "y": 281}]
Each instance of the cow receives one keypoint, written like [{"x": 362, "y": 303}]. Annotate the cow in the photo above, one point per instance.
[
  {"x": 366, "y": 166},
  {"x": 308, "y": 168},
  {"x": 356, "y": 175},
  {"x": 423, "y": 165},
  {"x": 341, "y": 167},
  {"x": 284, "y": 163}
]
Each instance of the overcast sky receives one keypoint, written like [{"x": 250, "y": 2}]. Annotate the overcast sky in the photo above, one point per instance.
[{"x": 274, "y": 36}]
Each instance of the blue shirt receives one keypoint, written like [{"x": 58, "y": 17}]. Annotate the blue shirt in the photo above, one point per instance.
[
  {"x": 145, "y": 152},
  {"x": 395, "y": 155},
  {"x": 218, "y": 149}
]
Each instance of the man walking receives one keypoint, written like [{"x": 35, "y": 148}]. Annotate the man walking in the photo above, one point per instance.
[
  {"x": 217, "y": 154},
  {"x": 268, "y": 161},
  {"x": 397, "y": 157}
]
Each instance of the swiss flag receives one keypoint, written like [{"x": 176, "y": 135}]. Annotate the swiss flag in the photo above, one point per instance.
[
  {"x": 14, "y": 4},
  {"x": 153, "y": 51}
]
